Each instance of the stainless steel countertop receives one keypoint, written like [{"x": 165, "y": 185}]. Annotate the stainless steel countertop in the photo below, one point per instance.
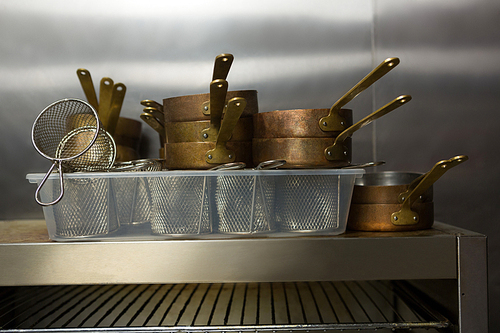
[{"x": 28, "y": 257}]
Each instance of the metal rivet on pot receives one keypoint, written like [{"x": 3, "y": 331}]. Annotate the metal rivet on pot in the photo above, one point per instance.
[
  {"x": 205, "y": 108},
  {"x": 415, "y": 218},
  {"x": 395, "y": 218},
  {"x": 325, "y": 123},
  {"x": 205, "y": 135},
  {"x": 230, "y": 156},
  {"x": 209, "y": 157}
]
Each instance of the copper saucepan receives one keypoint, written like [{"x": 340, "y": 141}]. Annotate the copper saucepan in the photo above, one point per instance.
[
  {"x": 396, "y": 201},
  {"x": 197, "y": 107},
  {"x": 205, "y": 155},
  {"x": 317, "y": 152},
  {"x": 207, "y": 130},
  {"x": 317, "y": 123}
]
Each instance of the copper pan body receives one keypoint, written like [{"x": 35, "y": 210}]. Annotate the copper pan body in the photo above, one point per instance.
[
  {"x": 191, "y": 107},
  {"x": 127, "y": 138},
  {"x": 376, "y": 197},
  {"x": 299, "y": 123},
  {"x": 191, "y": 155},
  {"x": 191, "y": 131},
  {"x": 299, "y": 152},
  {"x": 377, "y": 217}
]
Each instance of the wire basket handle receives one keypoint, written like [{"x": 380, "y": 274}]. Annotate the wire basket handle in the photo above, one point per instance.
[{"x": 61, "y": 184}]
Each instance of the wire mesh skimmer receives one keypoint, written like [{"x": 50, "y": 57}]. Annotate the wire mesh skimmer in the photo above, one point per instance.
[{"x": 68, "y": 132}]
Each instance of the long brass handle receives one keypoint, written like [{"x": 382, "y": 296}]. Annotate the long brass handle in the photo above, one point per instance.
[
  {"x": 222, "y": 65},
  {"x": 218, "y": 91},
  {"x": 88, "y": 87},
  {"x": 338, "y": 150},
  {"x": 329, "y": 123},
  {"x": 117, "y": 97},
  {"x": 220, "y": 154},
  {"x": 105, "y": 92},
  {"x": 405, "y": 216}
]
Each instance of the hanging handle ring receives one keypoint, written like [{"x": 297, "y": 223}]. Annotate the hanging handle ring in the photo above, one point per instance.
[{"x": 61, "y": 184}]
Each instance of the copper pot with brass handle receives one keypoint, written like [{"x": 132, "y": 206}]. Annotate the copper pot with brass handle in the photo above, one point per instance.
[
  {"x": 317, "y": 152},
  {"x": 206, "y": 155},
  {"x": 207, "y": 130},
  {"x": 396, "y": 201},
  {"x": 317, "y": 123},
  {"x": 197, "y": 107}
]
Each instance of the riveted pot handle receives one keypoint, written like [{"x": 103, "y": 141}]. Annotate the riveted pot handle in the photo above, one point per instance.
[
  {"x": 220, "y": 154},
  {"x": 330, "y": 122},
  {"x": 218, "y": 91},
  {"x": 406, "y": 216},
  {"x": 338, "y": 150}
]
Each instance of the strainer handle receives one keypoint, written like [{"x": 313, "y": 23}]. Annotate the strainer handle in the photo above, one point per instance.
[{"x": 61, "y": 184}]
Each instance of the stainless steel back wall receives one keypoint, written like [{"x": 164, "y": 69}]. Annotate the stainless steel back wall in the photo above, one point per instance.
[{"x": 297, "y": 55}]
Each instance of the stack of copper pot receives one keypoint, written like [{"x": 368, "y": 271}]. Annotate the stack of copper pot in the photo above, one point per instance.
[
  {"x": 206, "y": 130},
  {"x": 317, "y": 138}
]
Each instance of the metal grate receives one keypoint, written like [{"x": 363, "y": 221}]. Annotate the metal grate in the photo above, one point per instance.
[{"x": 229, "y": 307}]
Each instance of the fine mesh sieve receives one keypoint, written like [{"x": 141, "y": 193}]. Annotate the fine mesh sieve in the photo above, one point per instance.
[
  {"x": 307, "y": 203},
  {"x": 133, "y": 195},
  {"x": 87, "y": 209},
  {"x": 68, "y": 133},
  {"x": 245, "y": 204},
  {"x": 183, "y": 205}
]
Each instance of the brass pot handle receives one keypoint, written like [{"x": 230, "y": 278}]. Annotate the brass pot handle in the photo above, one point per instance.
[
  {"x": 88, "y": 87},
  {"x": 152, "y": 104},
  {"x": 222, "y": 65},
  {"x": 155, "y": 124},
  {"x": 220, "y": 154},
  {"x": 405, "y": 216},
  {"x": 331, "y": 122},
  {"x": 155, "y": 113},
  {"x": 218, "y": 91},
  {"x": 338, "y": 150},
  {"x": 117, "y": 97}
]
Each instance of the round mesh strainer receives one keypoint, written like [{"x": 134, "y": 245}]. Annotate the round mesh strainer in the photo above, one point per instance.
[{"x": 68, "y": 133}]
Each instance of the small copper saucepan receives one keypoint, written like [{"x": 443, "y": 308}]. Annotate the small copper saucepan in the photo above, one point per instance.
[
  {"x": 198, "y": 107},
  {"x": 207, "y": 130},
  {"x": 396, "y": 201},
  {"x": 317, "y": 123},
  {"x": 317, "y": 152}
]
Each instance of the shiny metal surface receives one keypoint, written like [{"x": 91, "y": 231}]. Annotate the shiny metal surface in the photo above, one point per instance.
[
  {"x": 352, "y": 256},
  {"x": 297, "y": 55},
  {"x": 218, "y": 307}
]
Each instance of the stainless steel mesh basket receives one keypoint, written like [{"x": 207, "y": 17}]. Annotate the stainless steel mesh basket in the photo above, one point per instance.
[
  {"x": 87, "y": 209},
  {"x": 133, "y": 195},
  {"x": 245, "y": 204},
  {"x": 307, "y": 203},
  {"x": 181, "y": 205}
]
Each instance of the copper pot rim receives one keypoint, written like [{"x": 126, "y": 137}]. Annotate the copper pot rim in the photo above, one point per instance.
[
  {"x": 385, "y": 179},
  {"x": 208, "y": 94}
]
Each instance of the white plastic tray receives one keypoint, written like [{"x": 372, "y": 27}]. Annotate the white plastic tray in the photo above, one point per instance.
[{"x": 193, "y": 204}]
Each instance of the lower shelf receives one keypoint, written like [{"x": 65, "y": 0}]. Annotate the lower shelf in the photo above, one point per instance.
[{"x": 228, "y": 307}]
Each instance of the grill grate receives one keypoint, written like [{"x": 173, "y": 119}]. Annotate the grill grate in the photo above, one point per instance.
[{"x": 229, "y": 307}]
